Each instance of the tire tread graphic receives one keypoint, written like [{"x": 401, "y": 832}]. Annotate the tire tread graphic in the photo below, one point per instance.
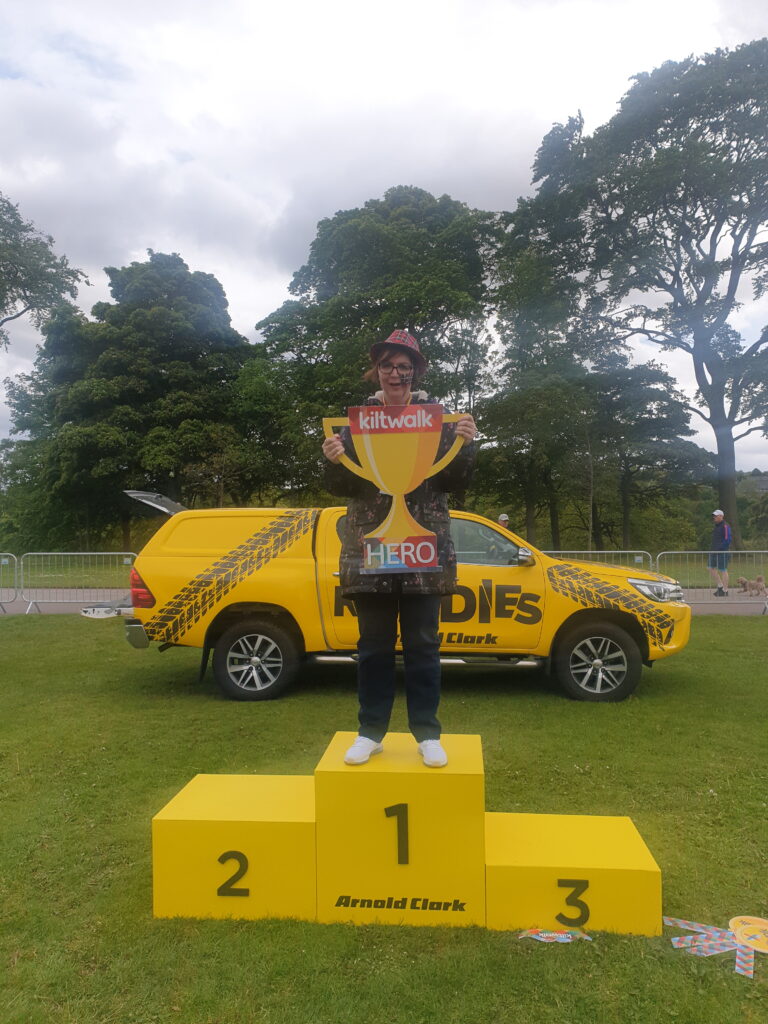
[
  {"x": 592, "y": 592},
  {"x": 207, "y": 589}
]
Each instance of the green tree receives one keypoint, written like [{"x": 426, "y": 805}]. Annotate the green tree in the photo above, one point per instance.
[
  {"x": 659, "y": 221},
  {"x": 538, "y": 426},
  {"x": 33, "y": 279},
  {"x": 758, "y": 517},
  {"x": 597, "y": 441},
  {"x": 461, "y": 374},
  {"x": 283, "y": 402},
  {"x": 544, "y": 413},
  {"x": 641, "y": 420},
  {"x": 142, "y": 397},
  {"x": 407, "y": 260}
]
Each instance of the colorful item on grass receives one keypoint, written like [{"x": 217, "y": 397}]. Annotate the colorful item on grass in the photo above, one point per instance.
[
  {"x": 541, "y": 935},
  {"x": 745, "y": 935}
]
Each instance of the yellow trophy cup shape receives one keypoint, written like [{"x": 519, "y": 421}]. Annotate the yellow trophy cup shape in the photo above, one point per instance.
[{"x": 396, "y": 446}]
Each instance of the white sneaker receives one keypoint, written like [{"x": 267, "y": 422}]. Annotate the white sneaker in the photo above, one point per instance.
[
  {"x": 361, "y": 750},
  {"x": 433, "y": 754}
]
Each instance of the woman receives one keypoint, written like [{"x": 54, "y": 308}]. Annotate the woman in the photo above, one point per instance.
[{"x": 413, "y": 597}]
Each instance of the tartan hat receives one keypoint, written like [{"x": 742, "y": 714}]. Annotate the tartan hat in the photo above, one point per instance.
[{"x": 405, "y": 341}]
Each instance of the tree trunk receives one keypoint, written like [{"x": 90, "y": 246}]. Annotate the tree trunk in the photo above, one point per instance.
[
  {"x": 530, "y": 519},
  {"x": 554, "y": 512},
  {"x": 591, "y": 498},
  {"x": 530, "y": 492},
  {"x": 726, "y": 478},
  {"x": 170, "y": 487},
  {"x": 715, "y": 392},
  {"x": 625, "y": 490},
  {"x": 125, "y": 526},
  {"x": 597, "y": 528}
]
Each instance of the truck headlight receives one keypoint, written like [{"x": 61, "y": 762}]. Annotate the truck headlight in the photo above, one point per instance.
[{"x": 659, "y": 590}]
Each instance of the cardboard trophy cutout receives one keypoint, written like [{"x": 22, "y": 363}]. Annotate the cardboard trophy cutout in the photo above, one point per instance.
[{"x": 396, "y": 446}]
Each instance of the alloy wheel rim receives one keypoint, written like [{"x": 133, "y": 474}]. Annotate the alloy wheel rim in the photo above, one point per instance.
[
  {"x": 254, "y": 662},
  {"x": 598, "y": 664}
]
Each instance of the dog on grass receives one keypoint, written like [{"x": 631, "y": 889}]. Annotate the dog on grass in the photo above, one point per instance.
[{"x": 754, "y": 587}]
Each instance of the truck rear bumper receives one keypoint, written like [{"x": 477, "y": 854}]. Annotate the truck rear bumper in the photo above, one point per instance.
[{"x": 135, "y": 634}]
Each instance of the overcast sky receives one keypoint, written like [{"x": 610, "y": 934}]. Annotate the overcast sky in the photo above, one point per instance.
[{"x": 224, "y": 131}]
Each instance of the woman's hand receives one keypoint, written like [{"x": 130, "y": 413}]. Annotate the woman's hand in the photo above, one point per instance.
[
  {"x": 466, "y": 429},
  {"x": 333, "y": 448}
]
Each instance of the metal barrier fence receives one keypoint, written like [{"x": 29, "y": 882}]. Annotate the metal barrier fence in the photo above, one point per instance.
[
  {"x": 641, "y": 559},
  {"x": 9, "y": 579},
  {"x": 746, "y": 572},
  {"x": 57, "y": 577}
]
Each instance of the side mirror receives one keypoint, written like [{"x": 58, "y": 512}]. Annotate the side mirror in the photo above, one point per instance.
[{"x": 525, "y": 557}]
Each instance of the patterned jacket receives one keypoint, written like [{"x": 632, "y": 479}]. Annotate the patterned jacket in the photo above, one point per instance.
[{"x": 428, "y": 505}]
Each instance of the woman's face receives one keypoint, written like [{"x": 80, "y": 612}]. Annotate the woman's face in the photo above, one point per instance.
[{"x": 395, "y": 371}]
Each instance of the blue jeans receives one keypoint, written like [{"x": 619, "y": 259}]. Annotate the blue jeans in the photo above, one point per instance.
[{"x": 377, "y": 616}]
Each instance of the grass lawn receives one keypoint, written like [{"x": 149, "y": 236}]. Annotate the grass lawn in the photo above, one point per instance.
[{"x": 96, "y": 737}]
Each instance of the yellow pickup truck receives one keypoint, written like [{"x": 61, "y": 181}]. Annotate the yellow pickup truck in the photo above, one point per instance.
[{"x": 260, "y": 589}]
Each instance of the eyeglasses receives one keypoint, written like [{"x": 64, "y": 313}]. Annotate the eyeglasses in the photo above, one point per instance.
[{"x": 401, "y": 368}]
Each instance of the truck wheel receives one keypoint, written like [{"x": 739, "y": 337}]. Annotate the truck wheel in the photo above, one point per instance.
[
  {"x": 255, "y": 660},
  {"x": 598, "y": 661}
]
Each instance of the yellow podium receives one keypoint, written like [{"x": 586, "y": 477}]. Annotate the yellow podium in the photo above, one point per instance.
[
  {"x": 394, "y": 842},
  {"x": 560, "y": 871},
  {"x": 236, "y": 846},
  {"x": 398, "y": 842}
]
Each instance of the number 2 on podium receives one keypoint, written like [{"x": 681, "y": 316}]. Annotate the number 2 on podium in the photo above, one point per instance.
[{"x": 228, "y": 888}]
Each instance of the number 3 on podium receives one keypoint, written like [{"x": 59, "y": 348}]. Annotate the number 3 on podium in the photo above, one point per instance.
[{"x": 578, "y": 887}]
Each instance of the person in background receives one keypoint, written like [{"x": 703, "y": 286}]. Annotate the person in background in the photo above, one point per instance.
[
  {"x": 380, "y": 599},
  {"x": 719, "y": 557},
  {"x": 504, "y": 520}
]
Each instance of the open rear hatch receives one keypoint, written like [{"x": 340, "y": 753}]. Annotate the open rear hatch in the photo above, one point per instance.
[
  {"x": 167, "y": 506},
  {"x": 159, "y": 504}
]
